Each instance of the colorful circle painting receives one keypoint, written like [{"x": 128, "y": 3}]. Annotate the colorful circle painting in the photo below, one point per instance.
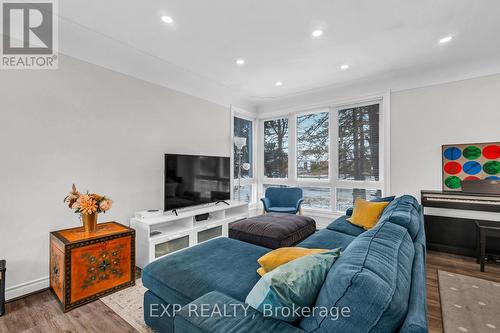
[
  {"x": 452, "y": 153},
  {"x": 472, "y": 168},
  {"x": 472, "y": 153},
  {"x": 453, "y": 182},
  {"x": 471, "y": 162},
  {"x": 491, "y": 152},
  {"x": 452, "y": 168},
  {"x": 491, "y": 167}
]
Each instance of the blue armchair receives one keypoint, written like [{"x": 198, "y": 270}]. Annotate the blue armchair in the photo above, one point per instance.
[{"x": 283, "y": 200}]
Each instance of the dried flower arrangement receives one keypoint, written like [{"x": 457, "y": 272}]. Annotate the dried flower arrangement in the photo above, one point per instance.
[{"x": 88, "y": 206}]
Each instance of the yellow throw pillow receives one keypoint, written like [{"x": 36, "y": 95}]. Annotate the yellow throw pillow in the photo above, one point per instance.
[
  {"x": 281, "y": 256},
  {"x": 366, "y": 213}
]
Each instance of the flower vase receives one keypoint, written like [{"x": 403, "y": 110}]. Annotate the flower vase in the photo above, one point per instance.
[{"x": 89, "y": 222}]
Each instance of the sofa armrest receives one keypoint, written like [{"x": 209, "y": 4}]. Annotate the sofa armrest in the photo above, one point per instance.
[
  {"x": 216, "y": 312},
  {"x": 416, "y": 318},
  {"x": 267, "y": 203}
]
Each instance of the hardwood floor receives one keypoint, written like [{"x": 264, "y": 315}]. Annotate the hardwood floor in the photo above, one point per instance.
[
  {"x": 41, "y": 313},
  {"x": 453, "y": 264}
]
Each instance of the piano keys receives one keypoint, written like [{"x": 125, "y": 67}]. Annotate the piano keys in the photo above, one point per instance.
[{"x": 458, "y": 200}]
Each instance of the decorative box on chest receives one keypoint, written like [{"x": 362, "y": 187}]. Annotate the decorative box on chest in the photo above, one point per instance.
[{"x": 85, "y": 266}]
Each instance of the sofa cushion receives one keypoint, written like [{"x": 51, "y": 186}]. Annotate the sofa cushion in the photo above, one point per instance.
[
  {"x": 373, "y": 279},
  {"x": 292, "y": 285},
  {"x": 222, "y": 264},
  {"x": 386, "y": 199},
  {"x": 327, "y": 239},
  {"x": 283, "y": 255},
  {"x": 273, "y": 230},
  {"x": 404, "y": 211},
  {"x": 342, "y": 225},
  {"x": 349, "y": 211},
  {"x": 366, "y": 214},
  {"x": 416, "y": 318}
]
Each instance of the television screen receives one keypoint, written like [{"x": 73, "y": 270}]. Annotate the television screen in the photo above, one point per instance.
[{"x": 194, "y": 180}]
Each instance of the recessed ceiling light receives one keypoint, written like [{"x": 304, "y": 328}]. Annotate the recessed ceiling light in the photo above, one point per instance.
[
  {"x": 278, "y": 84},
  {"x": 317, "y": 33},
  {"x": 344, "y": 67},
  {"x": 167, "y": 19},
  {"x": 445, "y": 39},
  {"x": 240, "y": 62}
]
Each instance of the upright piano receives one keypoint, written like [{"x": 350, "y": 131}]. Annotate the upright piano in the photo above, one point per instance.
[{"x": 450, "y": 216}]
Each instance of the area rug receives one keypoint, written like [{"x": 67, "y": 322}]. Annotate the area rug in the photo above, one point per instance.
[
  {"x": 128, "y": 303},
  {"x": 469, "y": 304}
]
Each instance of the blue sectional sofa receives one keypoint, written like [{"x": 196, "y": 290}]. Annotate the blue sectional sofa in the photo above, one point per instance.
[{"x": 380, "y": 277}]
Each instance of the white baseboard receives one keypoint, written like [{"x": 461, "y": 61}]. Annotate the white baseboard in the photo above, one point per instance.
[{"x": 26, "y": 288}]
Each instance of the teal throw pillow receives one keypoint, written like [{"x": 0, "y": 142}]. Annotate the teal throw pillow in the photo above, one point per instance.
[{"x": 284, "y": 291}]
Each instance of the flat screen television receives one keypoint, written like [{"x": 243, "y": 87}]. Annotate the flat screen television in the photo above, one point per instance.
[{"x": 192, "y": 180}]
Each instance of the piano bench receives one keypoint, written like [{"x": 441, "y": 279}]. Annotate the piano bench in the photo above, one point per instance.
[{"x": 485, "y": 229}]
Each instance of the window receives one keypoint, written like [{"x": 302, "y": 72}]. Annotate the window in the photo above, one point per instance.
[
  {"x": 317, "y": 197},
  {"x": 246, "y": 193},
  {"x": 244, "y": 128},
  {"x": 347, "y": 196},
  {"x": 313, "y": 141},
  {"x": 358, "y": 155},
  {"x": 276, "y": 148},
  {"x": 358, "y": 147},
  {"x": 335, "y": 154}
]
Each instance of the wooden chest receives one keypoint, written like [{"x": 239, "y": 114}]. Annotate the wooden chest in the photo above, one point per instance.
[{"x": 85, "y": 266}]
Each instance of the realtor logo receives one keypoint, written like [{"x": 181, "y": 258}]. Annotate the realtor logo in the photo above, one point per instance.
[{"x": 29, "y": 34}]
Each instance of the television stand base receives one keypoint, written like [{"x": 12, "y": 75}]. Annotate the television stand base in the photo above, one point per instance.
[
  {"x": 158, "y": 236},
  {"x": 174, "y": 211},
  {"x": 222, "y": 201}
]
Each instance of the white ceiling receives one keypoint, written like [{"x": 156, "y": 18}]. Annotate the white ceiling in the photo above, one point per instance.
[{"x": 197, "y": 53}]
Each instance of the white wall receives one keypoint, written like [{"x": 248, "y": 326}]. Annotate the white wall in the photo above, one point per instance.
[
  {"x": 423, "y": 119},
  {"x": 102, "y": 130}
]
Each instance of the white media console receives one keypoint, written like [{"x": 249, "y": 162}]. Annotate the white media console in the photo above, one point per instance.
[{"x": 163, "y": 235}]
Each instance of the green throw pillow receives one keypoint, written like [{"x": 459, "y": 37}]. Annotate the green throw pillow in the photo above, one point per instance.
[{"x": 291, "y": 286}]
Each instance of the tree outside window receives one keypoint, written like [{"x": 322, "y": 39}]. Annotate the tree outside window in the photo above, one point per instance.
[
  {"x": 313, "y": 140},
  {"x": 358, "y": 150},
  {"x": 276, "y": 148},
  {"x": 359, "y": 143}
]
